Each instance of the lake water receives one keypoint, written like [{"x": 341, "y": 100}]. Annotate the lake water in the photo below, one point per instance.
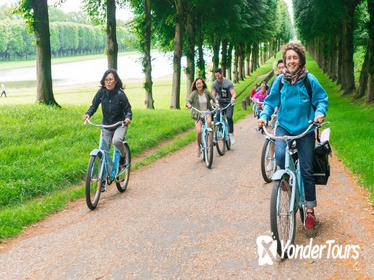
[{"x": 88, "y": 71}]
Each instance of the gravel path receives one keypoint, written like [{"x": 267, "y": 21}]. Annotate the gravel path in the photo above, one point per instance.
[{"x": 179, "y": 220}]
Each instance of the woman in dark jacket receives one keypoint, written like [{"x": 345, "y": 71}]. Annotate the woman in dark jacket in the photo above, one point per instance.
[{"x": 115, "y": 107}]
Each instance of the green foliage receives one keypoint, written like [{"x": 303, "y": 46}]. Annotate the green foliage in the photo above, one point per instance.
[
  {"x": 352, "y": 129},
  {"x": 67, "y": 38}
]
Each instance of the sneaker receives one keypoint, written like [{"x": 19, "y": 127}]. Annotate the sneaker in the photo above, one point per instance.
[
  {"x": 270, "y": 166},
  {"x": 103, "y": 187},
  {"x": 198, "y": 152},
  {"x": 310, "y": 220},
  {"x": 232, "y": 138}
]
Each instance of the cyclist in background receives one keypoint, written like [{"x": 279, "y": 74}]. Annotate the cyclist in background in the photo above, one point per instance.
[
  {"x": 200, "y": 98},
  {"x": 223, "y": 89},
  {"x": 253, "y": 91},
  {"x": 115, "y": 107},
  {"x": 280, "y": 67},
  {"x": 260, "y": 96},
  {"x": 295, "y": 110}
]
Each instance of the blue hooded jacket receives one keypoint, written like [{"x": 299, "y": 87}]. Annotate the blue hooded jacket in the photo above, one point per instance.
[{"x": 295, "y": 109}]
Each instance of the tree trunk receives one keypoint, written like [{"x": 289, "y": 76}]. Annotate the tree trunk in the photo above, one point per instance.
[
  {"x": 340, "y": 60},
  {"x": 224, "y": 56},
  {"x": 333, "y": 58},
  {"x": 147, "y": 61},
  {"x": 200, "y": 61},
  {"x": 248, "y": 66},
  {"x": 241, "y": 62},
  {"x": 370, "y": 95},
  {"x": 236, "y": 64},
  {"x": 190, "y": 71},
  {"x": 111, "y": 37},
  {"x": 43, "y": 53},
  {"x": 215, "y": 59},
  {"x": 178, "y": 44},
  {"x": 348, "y": 81},
  {"x": 229, "y": 61},
  {"x": 363, "y": 82}
]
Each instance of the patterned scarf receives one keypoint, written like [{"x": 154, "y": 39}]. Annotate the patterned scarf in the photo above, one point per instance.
[{"x": 293, "y": 78}]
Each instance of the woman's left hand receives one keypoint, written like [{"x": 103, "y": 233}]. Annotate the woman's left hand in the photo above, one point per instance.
[
  {"x": 127, "y": 121},
  {"x": 319, "y": 118}
]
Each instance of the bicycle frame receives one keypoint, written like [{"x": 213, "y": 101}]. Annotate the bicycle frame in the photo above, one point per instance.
[
  {"x": 293, "y": 170},
  {"x": 219, "y": 120},
  {"x": 109, "y": 168}
]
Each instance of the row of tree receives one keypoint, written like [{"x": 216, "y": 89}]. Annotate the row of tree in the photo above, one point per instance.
[
  {"x": 67, "y": 38},
  {"x": 332, "y": 30},
  {"x": 239, "y": 32}
]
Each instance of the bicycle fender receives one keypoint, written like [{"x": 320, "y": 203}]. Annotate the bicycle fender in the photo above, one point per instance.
[
  {"x": 278, "y": 175},
  {"x": 95, "y": 152},
  {"x": 209, "y": 129}
]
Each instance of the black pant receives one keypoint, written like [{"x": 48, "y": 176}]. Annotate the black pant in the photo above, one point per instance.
[{"x": 228, "y": 112}]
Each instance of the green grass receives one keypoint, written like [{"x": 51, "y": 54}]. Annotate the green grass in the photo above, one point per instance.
[
  {"x": 44, "y": 151},
  {"x": 352, "y": 130}
]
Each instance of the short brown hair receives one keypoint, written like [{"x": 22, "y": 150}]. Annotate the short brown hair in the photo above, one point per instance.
[{"x": 298, "y": 48}]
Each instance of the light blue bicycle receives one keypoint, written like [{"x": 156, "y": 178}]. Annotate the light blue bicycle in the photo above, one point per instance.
[
  {"x": 221, "y": 130},
  {"x": 287, "y": 195},
  {"x": 206, "y": 138},
  {"x": 102, "y": 170}
]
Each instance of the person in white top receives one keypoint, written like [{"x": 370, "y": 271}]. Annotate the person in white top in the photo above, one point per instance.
[
  {"x": 200, "y": 98},
  {"x": 3, "y": 90}
]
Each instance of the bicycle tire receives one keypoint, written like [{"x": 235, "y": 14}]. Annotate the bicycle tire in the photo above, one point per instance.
[
  {"x": 209, "y": 149},
  {"x": 220, "y": 140},
  {"x": 265, "y": 161},
  {"x": 227, "y": 136},
  {"x": 282, "y": 226},
  {"x": 228, "y": 143},
  {"x": 122, "y": 180},
  {"x": 93, "y": 184}
]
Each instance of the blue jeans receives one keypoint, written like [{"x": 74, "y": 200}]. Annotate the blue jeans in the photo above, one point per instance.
[{"x": 305, "y": 150}]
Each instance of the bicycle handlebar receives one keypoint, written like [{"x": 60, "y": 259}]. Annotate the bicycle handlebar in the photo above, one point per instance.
[
  {"x": 122, "y": 123},
  {"x": 227, "y": 106},
  {"x": 288, "y": 137},
  {"x": 204, "y": 113}
]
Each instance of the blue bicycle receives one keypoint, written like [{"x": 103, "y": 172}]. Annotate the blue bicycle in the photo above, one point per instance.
[
  {"x": 206, "y": 138},
  {"x": 268, "y": 166},
  {"x": 287, "y": 195},
  {"x": 102, "y": 170},
  {"x": 221, "y": 130}
]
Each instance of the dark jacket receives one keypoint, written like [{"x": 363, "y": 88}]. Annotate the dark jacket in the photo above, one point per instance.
[{"x": 114, "y": 104}]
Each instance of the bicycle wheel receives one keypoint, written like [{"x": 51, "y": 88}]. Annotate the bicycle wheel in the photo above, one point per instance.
[
  {"x": 123, "y": 176},
  {"x": 93, "y": 184},
  {"x": 228, "y": 141},
  {"x": 209, "y": 149},
  {"x": 282, "y": 222},
  {"x": 268, "y": 165},
  {"x": 220, "y": 140}
]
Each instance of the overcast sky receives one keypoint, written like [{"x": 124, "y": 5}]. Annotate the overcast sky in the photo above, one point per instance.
[
  {"x": 75, "y": 5},
  {"x": 125, "y": 15}
]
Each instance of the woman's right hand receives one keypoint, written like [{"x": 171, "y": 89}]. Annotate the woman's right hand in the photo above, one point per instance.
[
  {"x": 188, "y": 105},
  {"x": 261, "y": 122},
  {"x": 86, "y": 116}
]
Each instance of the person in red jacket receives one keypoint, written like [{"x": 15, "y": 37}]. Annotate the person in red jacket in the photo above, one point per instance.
[{"x": 253, "y": 91}]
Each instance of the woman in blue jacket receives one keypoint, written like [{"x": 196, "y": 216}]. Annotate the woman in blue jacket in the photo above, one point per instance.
[{"x": 296, "y": 108}]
